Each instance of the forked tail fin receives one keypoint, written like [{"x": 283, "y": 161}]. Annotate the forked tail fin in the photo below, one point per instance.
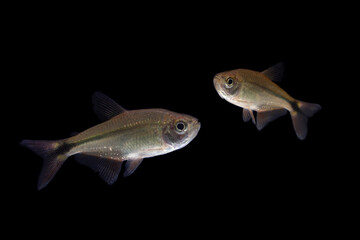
[
  {"x": 301, "y": 115},
  {"x": 53, "y": 154}
]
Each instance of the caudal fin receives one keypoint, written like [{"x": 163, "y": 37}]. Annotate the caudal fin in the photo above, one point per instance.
[
  {"x": 53, "y": 157},
  {"x": 300, "y": 117}
]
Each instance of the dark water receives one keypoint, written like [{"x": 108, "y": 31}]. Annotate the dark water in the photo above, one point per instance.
[{"x": 229, "y": 175}]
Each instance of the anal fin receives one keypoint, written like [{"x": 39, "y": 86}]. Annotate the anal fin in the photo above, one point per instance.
[
  {"x": 263, "y": 118},
  {"x": 107, "y": 168}
]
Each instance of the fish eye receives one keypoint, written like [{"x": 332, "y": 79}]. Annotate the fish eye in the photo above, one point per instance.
[
  {"x": 229, "y": 82},
  {"x": 180, "y": 127}
]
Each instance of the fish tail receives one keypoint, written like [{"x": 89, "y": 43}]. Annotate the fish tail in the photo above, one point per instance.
[
  {"x": 54, "y": 155},
  {"x": 300, "y": 115}
]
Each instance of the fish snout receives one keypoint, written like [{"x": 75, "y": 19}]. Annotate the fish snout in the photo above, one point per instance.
[
  {"x": 220, "y": 90},
  {"x": 218, "y": 85},
  {"x": 194, "y": 124},
  {"x": 197, "y": 126},
  {"x": 192, "y": 131},
  {"x": 216, "y": 80}
]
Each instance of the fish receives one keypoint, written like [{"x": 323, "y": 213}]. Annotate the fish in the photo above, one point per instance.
[
  {"x": 258, "y": 91},
  {"x": 123, "y": 136}
]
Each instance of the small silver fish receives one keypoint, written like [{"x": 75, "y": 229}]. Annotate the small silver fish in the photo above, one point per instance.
[
  {"x": 256, "y": 91},
  {"x": 124, "y": 135}
]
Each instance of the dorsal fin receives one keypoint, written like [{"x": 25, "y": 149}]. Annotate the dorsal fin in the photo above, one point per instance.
[
  {"x": 275, "y": 73},
  {"x": 104, "y": 107}
]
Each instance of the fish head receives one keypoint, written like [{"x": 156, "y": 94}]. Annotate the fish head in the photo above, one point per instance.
[
  {"x": 180, "y": 130},
  {"x": 227, "y": 84}
]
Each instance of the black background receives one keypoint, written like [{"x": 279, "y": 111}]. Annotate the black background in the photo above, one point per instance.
[{"x": 231, "y": 176}]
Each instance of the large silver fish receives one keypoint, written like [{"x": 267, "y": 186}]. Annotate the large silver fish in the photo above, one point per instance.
[
  {"x": 124, "y": 135},
  {"x": 257, "y": 91}
]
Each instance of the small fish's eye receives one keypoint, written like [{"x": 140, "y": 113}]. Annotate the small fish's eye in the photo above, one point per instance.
[
  {"x": 229, "y": 82},
  {"x": 180, "y": 127}
]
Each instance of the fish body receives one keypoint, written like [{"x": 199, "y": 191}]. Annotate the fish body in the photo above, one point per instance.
[
  {"x": 124, "y": 135},
  {"x": 257, "y": 91},
  {"x": 132, "y": 134}
]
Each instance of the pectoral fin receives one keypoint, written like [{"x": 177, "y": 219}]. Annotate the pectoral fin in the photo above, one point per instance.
[
  {"x": 108, "y": 169},
  {"x": 131, "y": 166}
]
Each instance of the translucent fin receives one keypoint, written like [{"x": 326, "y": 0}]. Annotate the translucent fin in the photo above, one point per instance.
[
  {"x": 108, "y": 169},
  {"x": 263, "y": 118},
  {"x": 276, "y": 72},
  {"x": 131, "y": 166},
  {"x": 53, "y": 154},
  {"x": 300, "y": 124},
  {"x": 246, "y": 115},
  {"x": 104, "y": 107},
  {"x": 309, "y": 109},
  {"x": 252, "y": 116},
  {"x": 300, "y": 117}
]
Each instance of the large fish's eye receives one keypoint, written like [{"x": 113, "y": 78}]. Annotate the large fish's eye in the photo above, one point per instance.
[
  {"x": 180, "y": 127},
  {"x": 229, "y": 82}
]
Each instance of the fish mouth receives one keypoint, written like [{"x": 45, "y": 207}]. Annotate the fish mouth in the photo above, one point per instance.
[
  {"x": 220, "y": 91},
  {"x": 216, "y": 80},
  {"x": 194, "y": 132},
  {"x": 197, "y": 127},
  {"x": 218, "y": 87}
]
